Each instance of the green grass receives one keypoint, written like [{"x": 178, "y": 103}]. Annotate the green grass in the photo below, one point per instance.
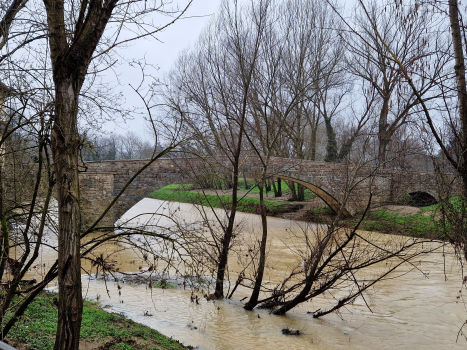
[
  {"x": 38, "y": 326},
  {"x": 179, "y": 187},
  {"x": 417, "y": 225},
  {"x": 180, "y": 194},
  {"x": 252, "y": 188},
  {"x": 385, "y": 221},
  {"x": 426, "y": 224},
  {"x": 457, "y": 202},
  {"x": 382, "y": 220}
]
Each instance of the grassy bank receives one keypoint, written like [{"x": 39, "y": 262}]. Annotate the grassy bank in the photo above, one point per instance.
[
  {"x": 427, "y": 223},
  {"x": 421, "y": 224},
  {"x": 182, "y": 193},
  {"x": 424, "y": 223},
  {"x": 417, "y": 225},
  {"x": 99, "y": 330}
]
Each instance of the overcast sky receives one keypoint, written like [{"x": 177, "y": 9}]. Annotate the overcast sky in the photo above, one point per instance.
[{"x": 162, "y": 53}]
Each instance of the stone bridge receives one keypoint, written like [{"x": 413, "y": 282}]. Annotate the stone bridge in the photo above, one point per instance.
[{"x": 344, "y": 187}]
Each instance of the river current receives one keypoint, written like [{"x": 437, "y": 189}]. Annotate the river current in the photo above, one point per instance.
[{"x": 413, "y": 311}]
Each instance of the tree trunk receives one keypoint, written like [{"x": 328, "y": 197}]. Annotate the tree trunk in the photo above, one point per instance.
[
  {"x": 310, "y": 279},
  {"x": 331, "y": 147},
  {"x": 313, "y": 141},
  {"x": 346, "y": 148},
  {"x": 262, "y": 251},
  {"x": 65, "y": 147},
  {"x": 461, "y": 87},
  {"x": 72, "y": 45},
  {"x": 300, "y": 192},
  {"x": 293, "y": 190},
  {"x": 268, "y": 186},
  {"x": 279, "y": 187},
  {"x": 228, "y": 233},
  {"x": 5, "y": 234},
  {"x": 383, "y": 137},
  {"x": 245, "y": 182}
]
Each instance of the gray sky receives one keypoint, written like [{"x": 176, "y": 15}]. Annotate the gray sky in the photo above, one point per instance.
[{"x": 163, "y": 54}]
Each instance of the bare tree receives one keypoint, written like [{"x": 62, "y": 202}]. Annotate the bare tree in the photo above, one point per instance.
[
  {"x": 75, "y": 42},
  {"x": 100, "y": 148},
  {"x": 378, "y": 31},
  {"x": 210, "y": 89},
  {"x": 26, "y": 187},
  {"x": 334, "y": 261},
  {"x": 448, "y": 86},
  {"x": 131, "y": 146}
]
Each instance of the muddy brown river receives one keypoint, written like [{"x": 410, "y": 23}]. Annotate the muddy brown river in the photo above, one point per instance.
[{"x": 413, "y": 311}]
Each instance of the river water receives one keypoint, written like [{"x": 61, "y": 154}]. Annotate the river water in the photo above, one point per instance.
[{"x": 414, "y": 311}]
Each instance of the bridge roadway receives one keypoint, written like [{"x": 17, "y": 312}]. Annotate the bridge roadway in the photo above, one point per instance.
[{"x": 342, "y": 186}]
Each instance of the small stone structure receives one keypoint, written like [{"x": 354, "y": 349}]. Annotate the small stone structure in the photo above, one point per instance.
[{"x": 343, "y": 187}]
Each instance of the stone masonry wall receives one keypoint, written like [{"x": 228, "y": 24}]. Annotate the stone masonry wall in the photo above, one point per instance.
[
  {"x": 97, "y": 191},
  {"x": 157, "y": 175},
  {"x": 336, "y": 183}
]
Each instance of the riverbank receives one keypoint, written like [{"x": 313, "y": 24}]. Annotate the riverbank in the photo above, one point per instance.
[
  {"x": 411, "y": 306},
  {"x": 100, "y": 330},
  {"x": 249, "y": 201},
  {"x": 392, "y": 219}
]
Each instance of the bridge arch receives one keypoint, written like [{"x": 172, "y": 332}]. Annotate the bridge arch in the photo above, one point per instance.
[
  {"x": 332, "y": 202},
  {"x": 419, "y": 198}
]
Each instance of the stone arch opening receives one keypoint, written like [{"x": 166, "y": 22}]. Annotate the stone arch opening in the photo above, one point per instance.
[
  {"x": 419, "y": 199},
  {"x": 332, "y": 202}
]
